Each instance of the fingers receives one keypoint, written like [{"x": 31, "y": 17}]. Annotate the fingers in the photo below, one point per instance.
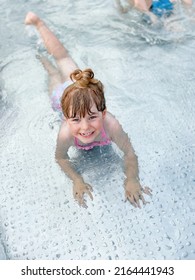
[
  {"x": 79, "y": 195},
  {"x": 89, "y": 190},
  {"x": 80, "y": 199},
  {"x": 89, "y": 187},
  {"x": 135, "y": 199},
  {"x": 89, "y": 194},
  {"x": 147, "y": 191},
  {"x": 83, "y": 204},
  {"x": 142, "y": 199},
  {"x": 130, "y": 197}
]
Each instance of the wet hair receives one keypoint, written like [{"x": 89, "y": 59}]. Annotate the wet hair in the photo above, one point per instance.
[{"x": 79, "y": 97}]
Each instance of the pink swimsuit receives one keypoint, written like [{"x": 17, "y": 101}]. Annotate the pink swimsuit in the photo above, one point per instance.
[{"x": 103, "y": 142}]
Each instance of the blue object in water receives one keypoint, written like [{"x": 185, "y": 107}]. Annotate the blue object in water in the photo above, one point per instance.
[{"x": 161, "y": 8}]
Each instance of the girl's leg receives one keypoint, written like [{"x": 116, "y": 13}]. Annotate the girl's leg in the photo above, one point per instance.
[
  {"x": 55, "y": 78},
  {"x": 53, "y": 45}
]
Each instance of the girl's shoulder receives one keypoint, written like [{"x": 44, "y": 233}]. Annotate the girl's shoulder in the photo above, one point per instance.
[
  {"x": 115, "y": 131},
  {"x": 110, "y": 119},
  {"x": 64, "y": 134},
  {"x": 111, "y": 124}
]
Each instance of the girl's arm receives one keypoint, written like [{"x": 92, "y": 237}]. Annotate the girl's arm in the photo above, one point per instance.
[
  {"x": 133, "y": 189},
  {"x": 64, "y": 142}
]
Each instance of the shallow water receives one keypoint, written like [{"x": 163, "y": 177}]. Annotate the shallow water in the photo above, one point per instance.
[{"x": 149, "y": 79}]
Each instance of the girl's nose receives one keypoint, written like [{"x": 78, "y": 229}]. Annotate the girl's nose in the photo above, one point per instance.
[{"x": 84, "y": 124}]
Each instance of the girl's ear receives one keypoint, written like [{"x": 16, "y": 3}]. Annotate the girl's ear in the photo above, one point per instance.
[{"x": 104, "y": 113}]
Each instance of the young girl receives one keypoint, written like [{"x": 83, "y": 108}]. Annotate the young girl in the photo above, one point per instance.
[{"x": 87, "y": 123}]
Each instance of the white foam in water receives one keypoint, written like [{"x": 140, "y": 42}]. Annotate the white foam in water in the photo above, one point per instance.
[{"x": 150, "y": 89}]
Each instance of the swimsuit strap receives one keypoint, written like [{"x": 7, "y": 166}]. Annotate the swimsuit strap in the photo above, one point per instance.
[
  {"x": 103, "y": 133},
  {"x": 104, "y": 141}
]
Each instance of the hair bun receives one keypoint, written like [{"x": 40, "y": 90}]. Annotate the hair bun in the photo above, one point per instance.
[{"x": 83, "y": 78}]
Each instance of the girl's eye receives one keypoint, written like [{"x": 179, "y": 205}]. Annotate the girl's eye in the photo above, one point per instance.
[
  {"x": 75, "y": 120},
  {"x": 92, "y": 117}
]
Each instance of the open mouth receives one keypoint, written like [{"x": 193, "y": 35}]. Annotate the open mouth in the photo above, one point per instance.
[{"x": 87, "y": 134}]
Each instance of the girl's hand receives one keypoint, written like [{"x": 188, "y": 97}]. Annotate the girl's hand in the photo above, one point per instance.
[
  {"x": 134, "y": 192},
  {"x": 79, "y": 189}
]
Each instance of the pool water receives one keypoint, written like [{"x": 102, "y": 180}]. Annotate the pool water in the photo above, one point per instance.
[{"x": 149, "y": 77}]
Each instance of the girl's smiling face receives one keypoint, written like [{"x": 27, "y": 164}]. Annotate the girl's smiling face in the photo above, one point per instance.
[{"x": 87, "y": 129}]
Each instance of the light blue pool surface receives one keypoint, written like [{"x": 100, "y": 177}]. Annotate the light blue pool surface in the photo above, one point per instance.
[{"x": 149, "y": 77}]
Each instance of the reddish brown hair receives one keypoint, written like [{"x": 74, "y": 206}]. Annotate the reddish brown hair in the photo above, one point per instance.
[{"x": 79, "y": 97}]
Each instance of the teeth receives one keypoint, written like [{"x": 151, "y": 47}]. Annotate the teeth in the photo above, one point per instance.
[{"x": 86, "y": 134}]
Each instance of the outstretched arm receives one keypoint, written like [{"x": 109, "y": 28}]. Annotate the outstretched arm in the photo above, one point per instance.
[
  {"x": 133, "y": 190},
  {"x": 79, "y": 186}
]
